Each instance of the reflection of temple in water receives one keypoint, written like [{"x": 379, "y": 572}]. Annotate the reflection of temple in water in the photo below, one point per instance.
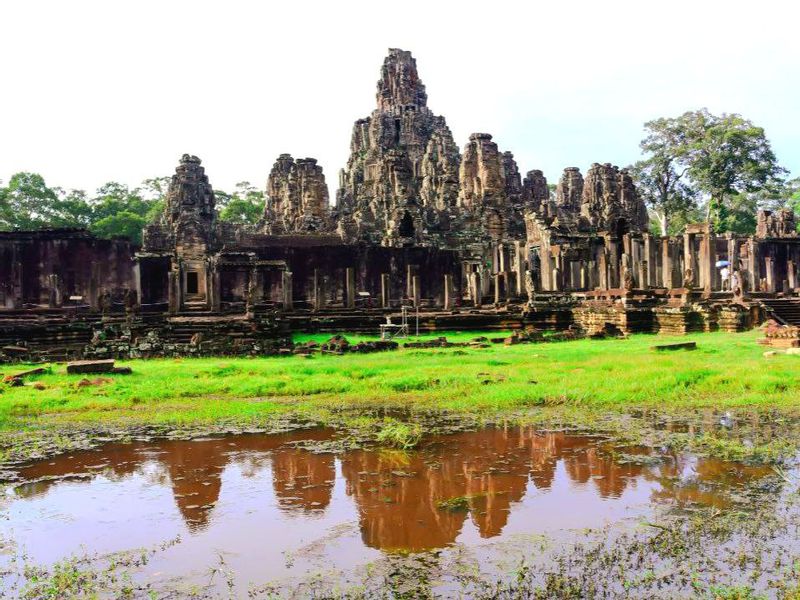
[
  {"x": 398, "y": 494},
  {"x": 490, "y": 469}
]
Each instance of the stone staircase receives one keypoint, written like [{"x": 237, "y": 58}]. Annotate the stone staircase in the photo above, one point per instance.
[
  {"x": 783, "y": 310},
  {"x": 48, "y": 335}
]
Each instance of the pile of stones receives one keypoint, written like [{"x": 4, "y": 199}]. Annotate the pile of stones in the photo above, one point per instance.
[{"x": 780, "y": 336}]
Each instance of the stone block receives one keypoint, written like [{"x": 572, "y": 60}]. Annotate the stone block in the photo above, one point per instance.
[{"x": 91, "y": 366}]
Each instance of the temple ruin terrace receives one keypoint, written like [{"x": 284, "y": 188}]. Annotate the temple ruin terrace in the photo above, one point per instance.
[{"x": 460, "y": 237}]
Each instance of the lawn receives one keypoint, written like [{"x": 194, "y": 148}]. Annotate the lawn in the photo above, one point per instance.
[{"x": 726, "y": 371}]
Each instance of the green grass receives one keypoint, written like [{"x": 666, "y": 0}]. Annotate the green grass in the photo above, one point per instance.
[{"x": 727, "y": 370}]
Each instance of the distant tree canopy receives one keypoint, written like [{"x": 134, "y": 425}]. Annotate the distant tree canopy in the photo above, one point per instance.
[
  {"x": 245, "y": 206},
  {"x": 115, "y": 210},
  {"x": 700, "y": 166}
]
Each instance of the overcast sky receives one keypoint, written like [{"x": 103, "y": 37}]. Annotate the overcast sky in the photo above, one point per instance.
[{"x": 112, "y": 90}]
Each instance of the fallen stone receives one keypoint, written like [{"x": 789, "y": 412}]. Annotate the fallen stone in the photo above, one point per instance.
[
  {"x": 769, "y": 353},
  {"x": 91, "y": 366},
  {"x": 675, "y": 346},
  {"x": 122, "y": 370},
  {"x": 22, "y": 374},
  {"x": 15, "y": 350},
  {"x": 795, "y": 351}
]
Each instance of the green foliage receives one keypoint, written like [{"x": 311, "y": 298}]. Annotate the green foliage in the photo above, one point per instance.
[
  {"x": 245, "y": 206},
  {"x": 116, "y": 210},
  {"x": 27, "y": 203},
  {"x": 792, "y": 195},
  {"x": 122, "y": 224},
  {"x": 728, "y": 155},
  {"x": 725, "y": 159},
  {"x": 660, "y": 176}
]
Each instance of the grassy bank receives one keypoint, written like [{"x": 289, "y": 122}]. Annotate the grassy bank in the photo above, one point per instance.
[{"x": 727, "y": 371}]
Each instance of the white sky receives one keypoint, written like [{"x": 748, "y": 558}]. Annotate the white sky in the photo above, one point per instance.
[{"x": 112, "y": 90}]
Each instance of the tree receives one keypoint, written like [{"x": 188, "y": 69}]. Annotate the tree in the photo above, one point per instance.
[
  {"x": 661, "y": 175},
  {"x": 787, "y": 195},
  {"x": 27, "y": 203},
  {"x": 245, "y": 206},
  {"x": 122, "y": 224},
  {"x": 72, "y": 209},
  {"x": 115, "y": 210},
  {"x": 721, "y": 159},
  {"x": 154, "y": 191},
  {"x": 119, "y": 211},
  {"x": 728, "y": 156}
]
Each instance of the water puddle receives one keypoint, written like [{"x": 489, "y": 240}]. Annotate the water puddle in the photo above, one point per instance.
[{"x": 275, "y": 511}]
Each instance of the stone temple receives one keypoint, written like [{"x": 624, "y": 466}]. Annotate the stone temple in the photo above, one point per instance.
[{"x": 458, "y": 237}]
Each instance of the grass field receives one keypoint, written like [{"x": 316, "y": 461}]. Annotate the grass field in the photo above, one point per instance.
[{"x": 727, "y": 370}]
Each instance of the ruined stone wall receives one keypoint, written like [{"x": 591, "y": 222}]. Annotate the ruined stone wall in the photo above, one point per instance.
[
  {"x": 327, "y": 264},
  {"x": 776, "y": 224},
  {"x": 47, "y": 267}
]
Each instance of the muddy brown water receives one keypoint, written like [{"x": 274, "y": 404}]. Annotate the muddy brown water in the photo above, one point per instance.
[{"x": 277, "y": 511}]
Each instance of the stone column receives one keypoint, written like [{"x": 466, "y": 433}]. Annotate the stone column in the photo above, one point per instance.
[
  {"x": 754, "y": 276},
  {"x": 286, "y": 288},
  {"x": 214, "y": 291},
  {"x": 519, "y": 249},
  {"x": 350, "y": 287},
  {"x": 707, "y": 262},
  {"x": 545, "y": 275},
  {"x": 791, "y": 274},
  {"x": 649, "y": 256},
  {"x": 16, "y": 288},
  {"x": 93, "y": 298},
  {"x": 54, "y": 291},
  {"x": 385, "y": 290},
  {"x": 666, "y": 264},
  {"x": 644, "y": 274},
  {"x": 733, "y": 254},
  {"x": 319, "y": 294},
  {"x": 689, "y": 256},
  {"x": 497, "y": 279},
  {"x": 603, "y": 268},
  {"x": 475, "y": 289},
  {"x": 137, "y": 281},
  {"x": 558, "y": 269},
  {"x": 174, "y": 292},
  {"x": 770, "y": 274},
  {"x": 415, "y": 290},
  {"x": 613, "y": 265},
  {"x": 411, "y": 270},
  {"x": 448, "y": 292}
]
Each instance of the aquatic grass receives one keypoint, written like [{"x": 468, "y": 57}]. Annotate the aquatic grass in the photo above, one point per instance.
[{"x": 400, "y": 435}]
